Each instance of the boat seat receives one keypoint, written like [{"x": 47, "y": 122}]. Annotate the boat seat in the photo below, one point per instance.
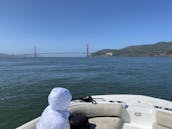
[
  {"x": 156, "y": 126},
  {"x": 163, "y": 120},
  {"x": 96, "y": 110},
  {"x": 101, "y": 116},
  {"x": 104, "y": 123}
]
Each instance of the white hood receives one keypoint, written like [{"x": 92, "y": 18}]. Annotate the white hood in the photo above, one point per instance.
[
  {"x": 55, "y": 116},
  {"x": 59, "y": 98}
]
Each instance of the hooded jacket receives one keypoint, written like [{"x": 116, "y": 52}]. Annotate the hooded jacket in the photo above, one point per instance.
[{"x": 55, "y": 115}]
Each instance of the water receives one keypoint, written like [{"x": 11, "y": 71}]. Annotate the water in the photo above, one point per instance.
[{"x": 25, "y": 83}]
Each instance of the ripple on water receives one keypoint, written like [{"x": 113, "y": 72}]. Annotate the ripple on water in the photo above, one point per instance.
[{"x": 25, "y": 83}]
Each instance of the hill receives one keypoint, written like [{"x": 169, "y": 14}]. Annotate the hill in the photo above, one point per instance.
[
  {"x": 2, "y": 55},
  {"x": 157, "y": 49}
]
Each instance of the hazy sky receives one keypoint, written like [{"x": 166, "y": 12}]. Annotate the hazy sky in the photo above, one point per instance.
[{"x": 68, "y": 25}]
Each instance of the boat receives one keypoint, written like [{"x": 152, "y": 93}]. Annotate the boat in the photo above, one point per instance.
[{"x": 121, "y": 111}]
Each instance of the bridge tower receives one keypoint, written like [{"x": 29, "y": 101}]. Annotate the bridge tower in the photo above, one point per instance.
[
  {"x": 35, "y": 52},
  {"x": 88, "y": 53}
]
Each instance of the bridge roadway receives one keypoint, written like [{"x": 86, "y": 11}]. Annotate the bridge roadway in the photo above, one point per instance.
[{"x": 55, "y": 53}]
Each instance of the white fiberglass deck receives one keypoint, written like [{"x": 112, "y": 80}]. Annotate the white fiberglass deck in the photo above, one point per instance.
[{"x": 138, "y": 111}]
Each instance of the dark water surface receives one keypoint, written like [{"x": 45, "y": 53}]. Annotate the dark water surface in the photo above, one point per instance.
[{"x": 25, "y": 83}]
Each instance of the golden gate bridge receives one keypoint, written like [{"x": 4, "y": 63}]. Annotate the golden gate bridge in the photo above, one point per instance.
[{"x": 37, "y": 54}]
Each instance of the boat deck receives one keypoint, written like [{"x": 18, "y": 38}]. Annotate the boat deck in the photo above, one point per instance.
[{"x": 138, "y": 111}]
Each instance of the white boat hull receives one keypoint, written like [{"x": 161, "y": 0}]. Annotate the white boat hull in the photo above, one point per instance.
[{"x": 138, "y": 112}]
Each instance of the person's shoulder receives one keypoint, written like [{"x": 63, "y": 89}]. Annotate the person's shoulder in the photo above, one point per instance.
[
  {"x": 53, "y": 113},
  {"x": 51, "y": 123},
  {"x": 51, "y": 119}
]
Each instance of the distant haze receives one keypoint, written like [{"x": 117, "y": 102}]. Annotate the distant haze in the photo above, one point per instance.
[{"x": 67, "y": 26}]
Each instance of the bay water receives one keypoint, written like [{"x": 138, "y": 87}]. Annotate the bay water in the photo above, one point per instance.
[{"x": 26, "y": 82}]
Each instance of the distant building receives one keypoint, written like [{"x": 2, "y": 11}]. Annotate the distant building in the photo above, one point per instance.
[{"x": 108, "y": 54}]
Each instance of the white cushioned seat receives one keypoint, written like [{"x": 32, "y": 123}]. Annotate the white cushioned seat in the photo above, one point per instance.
[
  {"x": 164, "y": 119},
  {"x": 156, "y": 126},
  {"x": 95, "y": 110},
  {"x": 104, "y": 123},
  {"x": 101, "y": 116}
]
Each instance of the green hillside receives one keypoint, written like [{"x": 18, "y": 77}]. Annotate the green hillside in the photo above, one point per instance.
[
  {"x": 7, "y": 55},
  {"x": 157, "y": 49}
]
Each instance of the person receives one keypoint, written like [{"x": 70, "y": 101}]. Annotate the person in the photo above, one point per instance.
[{"x": 55, "y": 115}]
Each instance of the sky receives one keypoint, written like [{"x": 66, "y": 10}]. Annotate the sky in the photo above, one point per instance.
[{"x": 68, "y": 25}]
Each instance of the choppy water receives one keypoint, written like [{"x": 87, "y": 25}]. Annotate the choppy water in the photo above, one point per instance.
[{"x": 25, "y": 83}]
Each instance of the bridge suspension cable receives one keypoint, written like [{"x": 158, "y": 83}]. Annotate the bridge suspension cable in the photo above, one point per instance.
[{"x": 35, "y": 54}]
